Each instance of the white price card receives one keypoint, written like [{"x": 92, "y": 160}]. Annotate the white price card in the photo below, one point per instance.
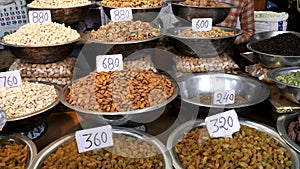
[
  {"x": 10, "y": 79},
  {"x": 201, "y": 24},
  {"x": 39, "y": 16},
  {"x": 222, "y": 124},
  {"x": 94, "y": 138},
  {"x": 224, "y": 97},
  {"x": 107, "y": 63},
  {"x": 121, "y": 14}
]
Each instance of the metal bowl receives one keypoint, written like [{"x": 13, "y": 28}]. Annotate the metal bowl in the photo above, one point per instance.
[
  {"x": 124, "y": 48},
  {"x": 139, "y": 116},
  {"x": 21, "y": 139},
  {"x": 188, "y": 12},
  {"x": 282, "y": 126},
  {"x": 68, "y": 16},
  {"x": 142, "y": 14},
  {"x": 51, "y": 148},
  {"x": 202, "y": 46},
  {"x": 290, "y": 92},
  {"x": 179, "y": 132},
  {"x": 42, "y": 54},
  {"x": 249, "y": 88},
  {"x": 271, "y": 60}
]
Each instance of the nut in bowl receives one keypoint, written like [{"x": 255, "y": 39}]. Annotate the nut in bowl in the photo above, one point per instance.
[
  {"x": 254, "y": 145},
  {"x": 131, "y": 149},
  {"x": 287, "y": 81}
]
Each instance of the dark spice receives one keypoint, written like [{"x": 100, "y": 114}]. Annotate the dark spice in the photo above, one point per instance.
[{"x": 286, "y": 44}]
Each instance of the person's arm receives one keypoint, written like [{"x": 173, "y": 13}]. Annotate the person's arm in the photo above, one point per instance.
[{"x": 247, "y": 22}]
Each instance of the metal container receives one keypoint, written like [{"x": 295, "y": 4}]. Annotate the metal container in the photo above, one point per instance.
[
  {"x": 186, "y": 127},
  {"x": 249, "y": 88},
  {"x": 188, "y": 12},
  {"x": 202, "y": 46},
  {"x": 271, "y": 60},
  {"x": 51, "y": 148},
  {"x": 282, "y": 126},
  {"x": 290, "y": 92},
  {"x": 68, "y": 16},
  {"x": 21, "y": 139},
  {"x": 42, "y": 54},
  {"x": 124, "y": 48},
  {"x": 142, "y": 14},
  {"x": 139, "y": 116}
]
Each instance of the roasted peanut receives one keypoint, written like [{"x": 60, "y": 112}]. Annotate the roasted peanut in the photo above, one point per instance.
[
  {"x": 214, "y": 32},
  {"x": 132, "y": 3}
]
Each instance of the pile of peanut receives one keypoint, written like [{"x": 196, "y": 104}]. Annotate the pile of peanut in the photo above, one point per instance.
[
  {"x": 27, "y": 98},
  {"x": 206, "y": 3},
  {"x": 47, "y": 34},
  {"x": 125, "y": 31},
  {"x": 214, "y": 32},
  {"x": 120, "y": 91},
  {"x": 132, "y": 3},
  {"x": 58, "y": 3}
]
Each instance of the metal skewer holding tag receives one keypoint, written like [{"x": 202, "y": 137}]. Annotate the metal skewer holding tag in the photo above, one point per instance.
[{"x": 2, "y": 119}]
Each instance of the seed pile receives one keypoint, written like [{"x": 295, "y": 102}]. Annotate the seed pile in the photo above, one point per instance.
[
  {"x": 292, "y": 78},
  {"x": 214, "y": 32},
  {"x": 132, "y": 3},
  {"x": 206, "y": 3}
]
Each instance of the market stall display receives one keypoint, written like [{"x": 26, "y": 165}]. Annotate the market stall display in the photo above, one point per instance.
[
  {"x": 188, "y": 10},
  {"x": 131, "y": 149},
  {"x": 275, "y": 48},
  {"x": 192, "y": 140},
  {"x": 17, "y": 151}
]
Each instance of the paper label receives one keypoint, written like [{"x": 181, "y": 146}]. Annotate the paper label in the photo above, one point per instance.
[
  {"x": 10, "y": 79},
  {"x": 121, "y": 14},
  {"x": 109, "y": 62},
  {"x": 224, "y": 97},
  {"x": 39, "y": 16},
  {"x": 201, "y": 24}
]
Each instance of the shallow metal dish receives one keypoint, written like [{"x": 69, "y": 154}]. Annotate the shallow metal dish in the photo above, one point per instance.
[
  {"x": 68, "y": 16},
  {"x": 124, "y": 48},
  {"x": 271, "y": 60},
  {"x": 42, "y": 54},
  {"x": 282, "y": 126},
  {"x": 51, "y": 148},
  {"x": 21, "y": 139},
  {"x": 188, "y": 12},
  {"x": 202, "y": 46},
  {"x": 145, "y": 115},
  {"x": 142, "y": 14},
  {"x": 290, "y": 92},
  {"x": 179, "y": 132},
  {"x": 249, "y": 88},
  {"x": 24, "y": 117}
]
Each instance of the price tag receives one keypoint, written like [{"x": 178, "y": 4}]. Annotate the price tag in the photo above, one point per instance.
[
  {"x": 94, "y": 138},
  {"x": 224, "y": 97},
  {"x": 39, "y": 16},
  {"x": 201, "y": 24},
  {"x": 109, "y": 62},
  {"x": 222, "y": 124},
  {"x": 10, "y": 79},
  {"x": 121, "y": 14}
]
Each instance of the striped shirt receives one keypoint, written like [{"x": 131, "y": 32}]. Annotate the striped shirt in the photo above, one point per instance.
[{"x": 244, "y": 12}]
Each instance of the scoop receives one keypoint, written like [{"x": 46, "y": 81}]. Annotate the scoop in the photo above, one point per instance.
[{"x": 2, "y": 119}]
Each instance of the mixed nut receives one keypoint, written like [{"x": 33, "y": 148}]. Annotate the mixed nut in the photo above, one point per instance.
[
  {"x": 206, "y": 3},
  {"x": 132, "y": 3}
]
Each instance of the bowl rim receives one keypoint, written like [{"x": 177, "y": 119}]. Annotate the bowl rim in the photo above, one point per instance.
[
  {"x": 250, "y": 43},
  {"x": 205, "y": 7},
  {"x": 225, "y": 75},
  {"x": 200, "y": 123},
  {"x": 169, "y": 33},
  {"x": 53, "y": 8},
  {"x": 273, "y": 73},
  {"x": 65, "y": 91},
  {"x": 52, "y": 147},
  {"x": 280, "y": 125}
]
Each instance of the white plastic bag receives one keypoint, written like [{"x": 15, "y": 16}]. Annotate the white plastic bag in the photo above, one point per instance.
[{"x": 270, "y": 21}]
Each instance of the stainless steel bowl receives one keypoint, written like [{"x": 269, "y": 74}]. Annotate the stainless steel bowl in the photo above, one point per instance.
[
  {"x": 68, "y": 16},
  {"x": 201, "y": 46},
  {"x": 142, "y": 14},
  {"x": 185, "y": 127},
  {"x": 124, "y": 48},
  {"x": 42, "y": 54},
  {"x": 290, "y": 92},
  {"x": 271, "y": 60},
  {"x": 282, "y": 126},
  {"x": 249, "y": 88},
  {"x": 139, "y": 116},
  {"x": 21, "y": 139},
  {"x": 188, "y": 12},
  {"x": 51, "y": 148}
]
